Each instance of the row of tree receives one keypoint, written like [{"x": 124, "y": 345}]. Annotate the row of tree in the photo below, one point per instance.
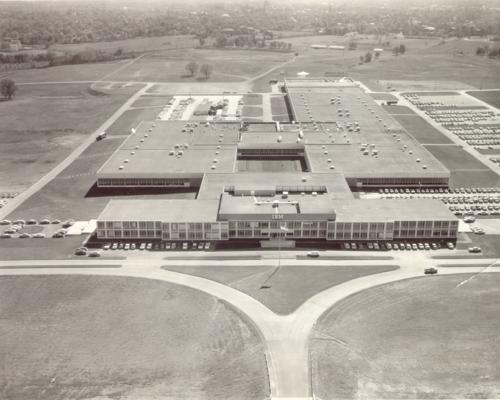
[
  {"x": 7, "y": 88},
  {"x": 486, "y": 50},
  {"x": 205, "y": 69}
]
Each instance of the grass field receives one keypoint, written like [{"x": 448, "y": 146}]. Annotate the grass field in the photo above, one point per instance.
[
  {"x": 465, "y": 169},
  {"x": 39, "y": 249},
  {"x": 395, "y": 110},
  {"x": 152, "y": 101},
  {"x": 252, "y": 100},
  {"x": 136, "y": 44},
  {"x": 421, "y": 338},
  {"x": 269, "y": 165},
  {"x": 491, "y": 97},
  {"x": 43, "y": 124},
  {"x": 251, "y": 111},
  {"x": 72, "y": 194},
  {"x": 83, "y": 337},
  {"x": 421, "y": 130},
  {"x": 80, "y": 72},
  {"x": 228, "y": 65},
  {"x": 289, "y": 287},
  {"x": 384, "y": 96}
]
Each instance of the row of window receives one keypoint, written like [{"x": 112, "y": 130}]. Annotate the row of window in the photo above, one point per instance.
[
  {"x": 143, "y": 182},
  {"x": 402, "y": 181}
]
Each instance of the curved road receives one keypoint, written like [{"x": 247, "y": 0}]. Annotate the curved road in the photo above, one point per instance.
[{"x": 286, "y": 336}]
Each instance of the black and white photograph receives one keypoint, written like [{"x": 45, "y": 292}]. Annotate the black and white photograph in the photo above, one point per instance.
[{"x": 249, "y": 199}]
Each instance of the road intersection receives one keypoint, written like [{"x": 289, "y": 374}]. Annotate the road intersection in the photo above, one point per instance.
[{"x": 286, "y": 337}]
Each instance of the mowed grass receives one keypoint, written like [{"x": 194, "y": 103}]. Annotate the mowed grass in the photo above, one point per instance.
[
  {"x": 63, "y": 73},
  {"x": 72, "y": 193},
  {"x": 418, "y": 338},
  {"x": 465, "y": 170},
  {"x": 43, "y": 124},
  {"x": 228, "y": 65},
  {"x": 492, "y": 97},
  {"x": 39, "y": 249},
  {"x": 288, "y": 288},
  {"x": 152, "y": 101},
  {"x": 251, "y": 111},
  {"x": 81, "y": 337},
  {"x": 421, "y": 130},
  {"x": 269, "y": 166}
]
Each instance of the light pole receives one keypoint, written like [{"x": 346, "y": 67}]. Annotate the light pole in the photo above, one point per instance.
[{"x": 266, "y": 285}]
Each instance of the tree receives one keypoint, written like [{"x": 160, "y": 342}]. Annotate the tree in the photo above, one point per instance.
[
  {"x": 192, "y": 67},
  {"x": 480, "y": 51},
  {"x": 493, "y": 53},
  {"x": 206, "y": 70},
  {"x": 402, "y": 49},
  {"x": 395, "y": 50},
  {"x": 377, "y": 55},
  {"x": 368, "y": 57},
  {"x": 353, "y": 45},
  {"x": 7, "y": 88}
]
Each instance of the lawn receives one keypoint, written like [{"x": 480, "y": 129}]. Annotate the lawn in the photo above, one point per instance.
[
  {"x": 491, "y": 97},
  {"x": 421, "y": 130},
  {"x": 152, "y": 101},
  {"x": 289, "y": 287},
  {"x": 396, "y": 110},
  {"x": 39, "y": 249},
  {"x": 79, "y": 72},
  {"x": 252, "y": 100},
  {"x": 270, "y": 166},
  {"x": 251, "y": 111},
  {"x": 418, "y": 338},
  {"x": 228, "y": 65},
  {"x": 43, "y": 124},
  {"x": 384, "y": 96},
  {"x": 72, "y": 194},
  {"x": 81, "y": 337}
]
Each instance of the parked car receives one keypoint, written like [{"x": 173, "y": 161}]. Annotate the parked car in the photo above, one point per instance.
[
  {"x": 80, "y": 252},
  {"x": 173, "y": 246},
  {"x": 114, "y": 246},
  {"x": 313, "y": 254},
  {"x": 24, "y": 236},
  {"x": 132, "y": 246},
  {"x": 450, "y": 245},
  {"x": 430, "y": 271},
  {"x": 31, "y": 222},
  {"x": 207, "y": 246},
  {"x": 39, "y": 235},
  {"x": 142, "y": 246},
  {"x": 475, "y": 249},
  {"x": 106, "y": 246},
  {"x": 5, "y": 235},
  {"x": 5, "y": 222},
  {"x": 94, "y": 254},
  {"x": 45, "y": 221},
  {"x": 127, "y": 246},
  {"x": 347, "y": 246},
  {"x": 469, "y": 219},
  {"x": 184, "y": 246},
  {"x": 68, "y": 223},
  {"x": 149, "y": 246},
  {"x": 389, "y": 246}
]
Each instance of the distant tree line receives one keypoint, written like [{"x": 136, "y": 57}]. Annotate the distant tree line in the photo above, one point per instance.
[
  {"x": 486, "y": 50},
  {"x": 7, "y": 88}
]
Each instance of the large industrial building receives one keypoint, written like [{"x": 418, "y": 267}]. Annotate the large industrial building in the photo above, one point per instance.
[{"x": 339, "y": 141}]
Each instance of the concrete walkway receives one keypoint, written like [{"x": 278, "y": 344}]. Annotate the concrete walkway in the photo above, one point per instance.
[{"x": 286, "y": 336}]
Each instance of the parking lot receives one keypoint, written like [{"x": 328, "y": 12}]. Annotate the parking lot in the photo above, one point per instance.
[
  {"x": 480, "y": 202},
  {"x": 461, "y": 115}
]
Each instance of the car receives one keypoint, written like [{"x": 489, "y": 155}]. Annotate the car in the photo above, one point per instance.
[
  {"x": 106, "y": 246},
  {"x": 94, "y": 254},
  {"x": 56, "y": 221},
  {"x": 475, "y": 249},
  {"x": 100, "y": 136},
  {"x": 31, "y": 222},
  {"x": 354, "y": 246},
  {"x": 120, "y": 246},
  {"x": 149, "y": 246},
  {"x": 414, "y": 246},
  {"x": 142, "y": 246},
  {"x": 434, "y": 246},
  {"x": 173, "y": 246},
  {"x": 5, "y": 235},
  {"x": 427, "y": 246},
  {"x": 5, "y": 222},
  {"x": 45, "y": 221},
  {"x": 430, "y": 271},
  {"x": 24, "y": 236},
  {"x": 193, "y": 245},
  {"x": 156, "y": 246},
  {"x": 370, "y": 246},
  {"x": 10, "y": 231},
  {"x": 127, "y": 246},
  {"x": 39, "y": 235},
  {"x": 114, "y": 246},
  {"x": 347, "y": 246},
  {"x": 388, "y": 246},
  {"x": 80, "y": 252},
  {"x": 207, "y": 246},
  {"x": 167, "y": 246},
  {"x": 184, "y": 246},
  {"x": 68, "y": 223},
  {"x": 376, "y": 246},
  {"x": 421, "y": 246},
  {"x": 132, "y": 246},
  {"x": 200, "y": 246},
  {"x": 450, "y": 245},
  {"x": 57, "y": 235},
  {"x": 312, "y": 254}
]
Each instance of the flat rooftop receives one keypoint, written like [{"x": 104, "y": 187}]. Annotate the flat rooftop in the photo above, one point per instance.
[
  {"x": 213, "y": 184},
  {"x": 274, "y": 207},
  {"x": 172, "y": 210},
  {"x": 387, "y": 210}
]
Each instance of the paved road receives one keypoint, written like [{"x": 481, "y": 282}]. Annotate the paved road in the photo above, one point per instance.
[
  {"x": 286, "y": 336},
  {"x": 18, "y": 200}
]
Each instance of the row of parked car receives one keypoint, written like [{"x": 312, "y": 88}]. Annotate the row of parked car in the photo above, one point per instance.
[
  {"x": 157, "y": 246},
  {"x": 395, "y": 246},
  {"x": 461, "y": 190}
]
